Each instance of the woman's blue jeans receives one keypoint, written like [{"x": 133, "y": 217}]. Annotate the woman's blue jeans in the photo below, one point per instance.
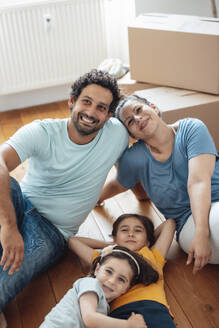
[{"x": 43, "y": 246}]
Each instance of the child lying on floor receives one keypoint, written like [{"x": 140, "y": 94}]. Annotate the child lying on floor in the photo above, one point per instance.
[{"x": 85, "y": 304}]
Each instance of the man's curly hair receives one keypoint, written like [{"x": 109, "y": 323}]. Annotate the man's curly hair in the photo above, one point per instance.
[{"x": 101, "y": 78}]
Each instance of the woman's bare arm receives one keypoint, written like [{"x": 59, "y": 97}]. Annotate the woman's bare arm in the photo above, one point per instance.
[
  {"x": 111, "y": 189},
  {"x": 201, "y": 169}
]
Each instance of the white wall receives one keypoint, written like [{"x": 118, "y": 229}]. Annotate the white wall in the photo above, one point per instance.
[
  {"x": 118, "y": 14},
  {"x": 34, "y": 97},
  {"x": 184, "y": 7}
]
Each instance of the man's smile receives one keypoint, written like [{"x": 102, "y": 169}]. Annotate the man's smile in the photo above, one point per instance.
[{"x": 87, "y": 120}]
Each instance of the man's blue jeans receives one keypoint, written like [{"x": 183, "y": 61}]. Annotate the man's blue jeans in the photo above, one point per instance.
[{"x": 43, "y": 246}]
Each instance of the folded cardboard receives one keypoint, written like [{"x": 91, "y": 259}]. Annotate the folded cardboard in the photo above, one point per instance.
[
  {"x": 176, "y": 104},
  {"x": 175, "y": 50}
]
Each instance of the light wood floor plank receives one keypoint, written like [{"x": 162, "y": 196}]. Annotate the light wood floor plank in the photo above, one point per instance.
[
  {"x": 90, "y": 228},
  {"x": 12, "y": 314},
  {"x": 35, "y": 300},
  {"x": 9, "y": 129},
  {"x": 180, "y": 318},
  {"x": 63, "y": 274},
  {"x": 197, "y": 295}
]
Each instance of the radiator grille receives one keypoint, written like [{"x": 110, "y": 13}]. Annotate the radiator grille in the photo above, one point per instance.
[{"x": 49, "y": 44}]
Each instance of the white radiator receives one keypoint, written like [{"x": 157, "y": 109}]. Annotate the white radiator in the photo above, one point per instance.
[{"x": 48, "y": 43}]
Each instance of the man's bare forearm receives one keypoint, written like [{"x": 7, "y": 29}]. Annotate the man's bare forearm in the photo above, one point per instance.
[
  {"x": 10, "y": 238},
  {"x": 8, "y": 161},
  {"x": 7, "y": 214}
]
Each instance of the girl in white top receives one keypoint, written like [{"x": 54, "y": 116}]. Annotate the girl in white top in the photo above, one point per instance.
[{"x": 86, "y": 304}]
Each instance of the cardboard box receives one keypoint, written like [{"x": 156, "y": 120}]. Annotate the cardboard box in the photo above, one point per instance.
[
  {"x": 175, "y": 50},
  {"x": 128, "y": 86},
  {"x": 178, "y": 103}
]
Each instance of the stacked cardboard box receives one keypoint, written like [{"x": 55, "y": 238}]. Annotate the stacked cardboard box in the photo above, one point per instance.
[
  {"x": 128, "y": 86},
  {"x": 182, "y": 52}
]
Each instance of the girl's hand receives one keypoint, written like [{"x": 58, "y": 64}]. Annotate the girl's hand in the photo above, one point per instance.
[
  {"x": 108, "y": 249},
  {"x": 136, "y": 321},
  {"x": 200, "y": 249}
]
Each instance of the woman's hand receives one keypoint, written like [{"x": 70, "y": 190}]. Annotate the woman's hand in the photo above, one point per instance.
[{"x": 200, "y": 250}]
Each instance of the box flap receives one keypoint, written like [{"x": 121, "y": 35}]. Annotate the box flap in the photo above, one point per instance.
[
  {"x": 168, "y": 99},
  {"x": 179, "y": 23}
]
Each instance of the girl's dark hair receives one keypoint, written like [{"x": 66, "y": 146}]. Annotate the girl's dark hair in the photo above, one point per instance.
[
  {"x": 100, "y": 78},
  {"x": 147, "y": 223},
  {"x": 147, "y": 274}
]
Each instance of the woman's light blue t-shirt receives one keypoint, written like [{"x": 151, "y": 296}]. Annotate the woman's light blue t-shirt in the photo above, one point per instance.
[{"x": 166, "y": 182}]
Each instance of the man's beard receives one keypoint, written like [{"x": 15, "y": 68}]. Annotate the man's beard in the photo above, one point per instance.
[{"x": 84, "y": 131}]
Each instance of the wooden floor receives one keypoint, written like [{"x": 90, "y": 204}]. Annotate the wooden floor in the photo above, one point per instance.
[{"x": 194, "y": 300}]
